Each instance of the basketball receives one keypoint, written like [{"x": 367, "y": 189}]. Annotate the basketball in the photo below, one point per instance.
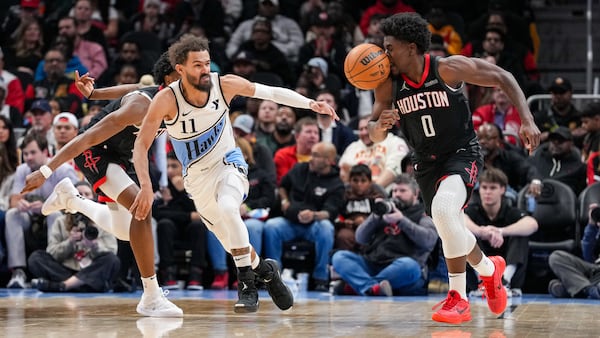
[{"x": 366, "y": 66}]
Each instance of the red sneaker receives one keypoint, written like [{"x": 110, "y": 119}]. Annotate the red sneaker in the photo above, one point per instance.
[
  {"x": 454, "y": 311},
  {"x": 492, "y": 286},
  {"x": 221, "y": 281}
]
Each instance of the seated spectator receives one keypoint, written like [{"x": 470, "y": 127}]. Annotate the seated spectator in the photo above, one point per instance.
[
  {"x": 501, "y": 112},
  {"x": 578, "y": 278},
  {"x": 439, "y": 24},
  {"x": 57, "y": 85},
  {"x": 316, "y": 77},
  {"x": 66, "y": 127},
  {"x": 561, "y": 111},
  {"x": 41, "y": 122},
  {"x": 501, "y": 230},
  {"x": 306, "y": 133},
  {"x": 590, "y": 122},
  {"x": 151, "y": 20},
  {"x": 79, "y": 256},
  {"x": 7, "y": 177},
  {"x": 385, "y": 7},
  {"x": 129, "y": 52},
  {"x": 243, "y": 127},
  {"x": 382, "y": 158},
  {"x": 82, "y": 11},
  {"x": 265, "y": 118},
  {"x": 331, "y": 131},
  {"x": 66, "y": 44},
  {"x": 90, "y": 53},
  {"x": 26, "y": 50},
  {"x": 25, "y": 210},
  {"x": 283, "y": 135},
  {"x": 560, "y": 160},
  {"x": 8, "y": 111},
  {"x": 311, "y": 197},
  {"x": 397, "y": 239},
  {"x": 359, "y": 197},
  {"x": 13, "y": 88},
  {"x": 178, "y": 219}
]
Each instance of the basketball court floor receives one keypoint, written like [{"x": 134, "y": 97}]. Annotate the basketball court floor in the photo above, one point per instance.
[{"x": 209, "y": 313}]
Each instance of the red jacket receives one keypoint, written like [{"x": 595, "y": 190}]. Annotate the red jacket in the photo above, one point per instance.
[
  {"x": 485, "y": 114},
  {"x": 379, "y": 8},
  {"x": 284, "y": 158}
]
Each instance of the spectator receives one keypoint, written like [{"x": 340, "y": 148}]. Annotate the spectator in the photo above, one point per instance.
[
  {"x": 501, "y": 229},
  {"x": 14, "y": 95},
  {"x": 7, "y": 176},
  {"x": 385, "y": 7},
  {"x": 306, "y": 133},
  {"x": 359, "y": 197},
  {"x": 8, "y": 111},
  {"x": 243, "y": 127},
  {"x": 590, "y": 122},
  {"x": 439, "y": 24},
  {"x": 57, "y": 85},
  {"x": 42, "y": 122},
  {"x": 331, "y": 131},
  {"x": 311, "y": 196},
  {"x": 266, "y": 118},
  {"x": 178, "y": 219},
  {"x": 326, "y": 45},
  {"x": 66, "y": 45},
  {"x": 287, "y": 35},
  {"x": 382, "y": 158},
  {"x": 151, "y": 20},
  {"x": 266, "y": 56},
  {"x": 501, "y": 112},
  {"x": 82, "y": 12},
  {"x": 282, "y": 136},
  {"x": 209, "y": 13},
  {"x": 578, "y": 278},
  {"x": 559, "y": 159},
  {"x": 25, "y": 210},
  {"x": 316, "y": 77},
  {"x": 129, "y": 53},
  {"x": 516, "y": 167},
  {"x": 26, "y": 10},
  {"x": 397, "y": 243},
  {"x": 90, "y": 53},
  {"x": 79, "y": 256},
  {"x": 561, "y": 111},
  {"x": 26, "y": 51},
  {"x": 9, "y": 140}
]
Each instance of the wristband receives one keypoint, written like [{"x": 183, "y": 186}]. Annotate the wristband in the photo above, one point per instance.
[{"x": 46, "y": 171}]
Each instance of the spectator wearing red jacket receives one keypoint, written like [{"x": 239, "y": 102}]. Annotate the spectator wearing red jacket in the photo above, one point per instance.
[
  {"x": 385, "y": 7},
  {"x": 501, "y": 113}
]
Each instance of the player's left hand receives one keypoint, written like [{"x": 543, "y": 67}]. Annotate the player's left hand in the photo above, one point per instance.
[
  {"x": 324, "y": 108},
  {"x": 530, "y": 134},
  {"x": 141, "y": 206},
  {"x": 33, "y": 181},
  {"x": 84, "y": 83}
]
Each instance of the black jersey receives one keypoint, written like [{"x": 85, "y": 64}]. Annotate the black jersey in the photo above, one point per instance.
[
  {"x": 434, "y": 118},
  {"x": 121, "y": 144}
]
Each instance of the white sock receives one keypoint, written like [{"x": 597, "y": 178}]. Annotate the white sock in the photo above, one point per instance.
[
  {"x": 242, "y": 260},
  {"x": 458, "y": 283},
  {"x": 255, "y": 262},
  {"x": 485, "y": 267},
  {"x": 150, "y": 284},
  {"x": 509, "y": 272}
]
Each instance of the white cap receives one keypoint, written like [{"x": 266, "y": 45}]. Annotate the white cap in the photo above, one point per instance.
[{"x": 66, "y": 117}]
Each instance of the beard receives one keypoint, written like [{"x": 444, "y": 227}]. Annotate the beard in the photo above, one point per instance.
[
  {"x": 196, "y": 83},
  {"x": 283, "y": 128}
]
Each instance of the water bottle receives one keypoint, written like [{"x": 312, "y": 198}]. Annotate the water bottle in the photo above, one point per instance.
[{"x": 531, "y": 204}]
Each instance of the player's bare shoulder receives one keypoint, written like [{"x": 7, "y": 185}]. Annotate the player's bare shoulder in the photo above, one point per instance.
[
  {"x": 233, "y": 85},
  {"x": 452, "y": 69},
  {"x": 165, "y": 103}
]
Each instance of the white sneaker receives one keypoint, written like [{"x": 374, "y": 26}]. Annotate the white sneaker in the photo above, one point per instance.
[
  {"x": 18, "y": 279},
  {"x": 157, "y": 305},
  {"x": 157, "y": 327},
  {"x": 63, "y": 191}
]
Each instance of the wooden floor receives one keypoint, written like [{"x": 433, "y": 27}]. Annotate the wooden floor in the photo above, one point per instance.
[{"x": 28, "y": 313}]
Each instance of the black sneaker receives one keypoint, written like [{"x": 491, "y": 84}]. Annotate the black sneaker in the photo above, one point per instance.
[
  {"x": 321, "y": 285},
  {"x": 247, "y": 293},
  {"x": 282, "y": 295}
]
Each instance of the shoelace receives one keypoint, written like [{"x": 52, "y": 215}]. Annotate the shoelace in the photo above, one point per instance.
[{"x": 449, "y": 303}]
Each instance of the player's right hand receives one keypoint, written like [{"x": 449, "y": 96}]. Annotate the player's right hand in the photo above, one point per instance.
[
  {"x": 33, "y": 181},
  {"x": 141, "y": 206},
  {"x": 85, "y": 83},
  {"x": 387, "y": 119}
]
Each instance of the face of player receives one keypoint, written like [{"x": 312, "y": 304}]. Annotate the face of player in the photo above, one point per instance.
[
  {"x": 491, "y": 193},
  {"x": 400, "y": 54},
  {"x": 196, "y": 70}
]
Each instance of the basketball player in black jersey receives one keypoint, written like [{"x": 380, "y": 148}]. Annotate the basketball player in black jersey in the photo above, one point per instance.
[
  {"x": 103, "y": 151},
  {"x": 425, "y": 94}
]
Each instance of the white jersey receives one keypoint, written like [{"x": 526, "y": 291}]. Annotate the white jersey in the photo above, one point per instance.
[{"x": 201, "y": 134}]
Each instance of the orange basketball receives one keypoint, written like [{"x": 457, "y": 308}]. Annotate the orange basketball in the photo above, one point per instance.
[{"x": 366, "y": 66}]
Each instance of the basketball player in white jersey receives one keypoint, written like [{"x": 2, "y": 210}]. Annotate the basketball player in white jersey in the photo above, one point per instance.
[{"x": 196, "y": 114}]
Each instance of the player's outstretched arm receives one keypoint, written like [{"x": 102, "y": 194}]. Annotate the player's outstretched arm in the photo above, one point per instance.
[
  {"x": 456, "y": 69},
  {"x": 235, "y": 85},
  {"x": 160, "y": 108},
  {"x": 85, "y": 84}
]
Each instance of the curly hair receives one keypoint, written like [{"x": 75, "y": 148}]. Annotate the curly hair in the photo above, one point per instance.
[
  {"x": 178, "y": 52},
  {"x": 162, "y": 68},
  {"x": 409, "y": 27}
]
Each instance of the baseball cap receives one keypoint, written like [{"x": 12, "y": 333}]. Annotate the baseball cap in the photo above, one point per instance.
[
  {"x": 30, "y": 3},
  {"x": 561, "y": 132},
  {"x": 41, "y": 105},
  {"x": 560, "y": 85},
  {"x": 319, "y": 63},
  {"x": 274, "y": 2},
  {"x": 66, "y": 117},
  {"x": 244, "y": 123},
  {"x": 243, "y": 56}
]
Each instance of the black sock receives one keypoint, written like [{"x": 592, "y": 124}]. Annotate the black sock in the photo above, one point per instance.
[{"x": 262, "y": 268}]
